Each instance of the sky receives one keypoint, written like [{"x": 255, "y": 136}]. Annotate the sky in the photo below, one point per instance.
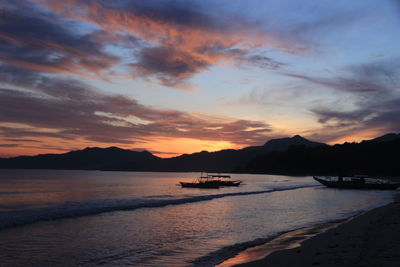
[{"x": 175, "y": 77}]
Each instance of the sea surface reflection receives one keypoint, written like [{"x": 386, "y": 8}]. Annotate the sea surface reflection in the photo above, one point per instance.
[{"x": 90, "y": 218}]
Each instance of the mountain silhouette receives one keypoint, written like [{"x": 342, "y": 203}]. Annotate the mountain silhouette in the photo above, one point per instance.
[
  {"x": 228, "y": 159},
  {"x": 283, "y": 144},
  {"x": 378, "y": 156},
  {"x": 386, "y": 138},
  {"x": 290, "y": 155},
  {"x": 90, "y": 158}
]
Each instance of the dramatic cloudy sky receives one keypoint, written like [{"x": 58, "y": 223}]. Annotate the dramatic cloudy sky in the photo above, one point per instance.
[{"x": 177, "y": 77}]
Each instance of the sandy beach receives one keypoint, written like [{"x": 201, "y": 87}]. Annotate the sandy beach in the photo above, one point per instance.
[{"x": 371, "y": 239}]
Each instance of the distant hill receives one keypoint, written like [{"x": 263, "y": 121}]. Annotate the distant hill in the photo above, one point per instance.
[
  {"x": 385, "y": 138},
  {"x": 114, "y": 158},
  {"x": 91, "y": 158},
  {"x": 283, "y": 144},
  {"x": 379, "y": 156},
  {"x": 291, "y": 155},
  {"x": 230, "y": 159}
]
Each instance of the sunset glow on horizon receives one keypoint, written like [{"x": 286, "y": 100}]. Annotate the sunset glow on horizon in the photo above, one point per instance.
[{"x": 175, "y": 77}]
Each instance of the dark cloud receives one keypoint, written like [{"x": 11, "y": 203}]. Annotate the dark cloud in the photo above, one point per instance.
[
  {"x": 68, "y": 109},
  {"x": 342, "y": 118},
  {"x": 186, "y": 14},
  {"x": 384, "y": 116},
  {"x": 387, "y": 115},
  {"x": 175, "y": 40},
  {"x": 261, "y": 61},
  {"x": 173, "y": 67},
  {"x": 21, "y": 140},
  {"x": 36, "y": 40},
  {"x": 8, "y": 145},
  {"x": 374, "y": 90},
  {"x": 29, "y": 131},
  {"x": 170, "y": 66},
  {"x": 376, "y": 77}
]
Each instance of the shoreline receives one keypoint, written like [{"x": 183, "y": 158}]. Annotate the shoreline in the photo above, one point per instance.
[
  {"x": 369, "y": 239},
  {"x": 283, "y": 241}
]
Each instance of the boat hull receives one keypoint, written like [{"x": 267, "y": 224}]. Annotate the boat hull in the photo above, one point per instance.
[
  {"x": 199, "y": 185},
  {"x": 357, "y": 185},
  {"x": 229, "y": 183}
]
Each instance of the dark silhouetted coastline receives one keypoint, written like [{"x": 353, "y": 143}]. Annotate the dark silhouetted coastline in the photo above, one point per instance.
[{"x": 292, "y": 156}]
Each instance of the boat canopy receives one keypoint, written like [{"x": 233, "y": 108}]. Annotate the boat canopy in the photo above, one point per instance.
[{"x": 218, "y": 176}]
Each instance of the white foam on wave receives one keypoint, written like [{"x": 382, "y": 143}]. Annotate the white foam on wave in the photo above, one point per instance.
[{"x": 77, "y": 209}]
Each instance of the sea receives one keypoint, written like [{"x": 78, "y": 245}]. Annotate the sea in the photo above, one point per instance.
[{"x": 92, "y": 218}]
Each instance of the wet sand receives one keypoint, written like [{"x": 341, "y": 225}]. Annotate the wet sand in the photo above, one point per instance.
[
  {"x": 287, "y": 240},
  {"x": 372, "y": 239}
]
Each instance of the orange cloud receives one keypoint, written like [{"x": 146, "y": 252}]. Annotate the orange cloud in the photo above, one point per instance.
[
  {"x": 358, "y": 136},
  {"x": 182, "y": 40},
  {"x": 73, "y": 112},
  {"x": 153, "y": 26}
]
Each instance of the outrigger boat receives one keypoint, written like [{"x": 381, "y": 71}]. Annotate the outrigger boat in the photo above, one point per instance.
[
  {"x": 211, "y": 181},
  {"x": 356, "y": 182}
]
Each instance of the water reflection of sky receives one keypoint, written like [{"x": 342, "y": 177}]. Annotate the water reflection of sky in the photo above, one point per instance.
[{"x": 173, "y": 235}]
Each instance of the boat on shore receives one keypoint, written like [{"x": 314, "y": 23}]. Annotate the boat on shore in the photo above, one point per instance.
[
  {"x": 356, "y": 182},
  {"x": 211, "y": 181}
]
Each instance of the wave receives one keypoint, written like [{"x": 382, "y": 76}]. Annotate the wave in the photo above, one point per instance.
[
  {"x": 78, "y": 209},
  {"x": 221, "y": 255},
  {"x": 27, "y": 192},
  {"x": 281, "y": 240}
]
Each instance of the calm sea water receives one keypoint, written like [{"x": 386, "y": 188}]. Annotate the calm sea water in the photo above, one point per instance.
[{"x": 90, "y": 218}]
